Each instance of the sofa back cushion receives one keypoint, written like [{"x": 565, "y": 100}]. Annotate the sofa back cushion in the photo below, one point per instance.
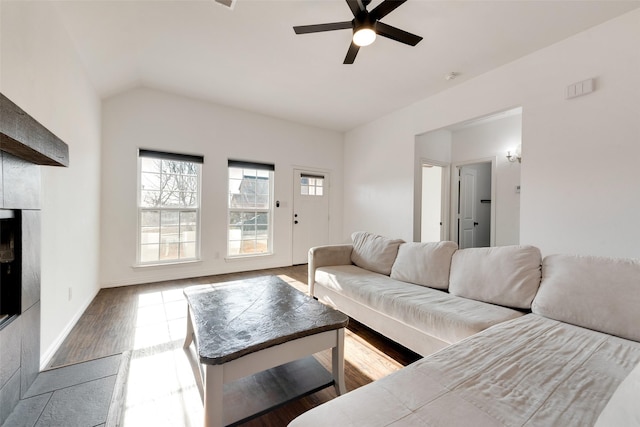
[
  {"x": 426, "y": 264},
  {"x": 597, "y": 293},
  {"x": 503, "y": 275},
  {"x": 374, "y": 253}
]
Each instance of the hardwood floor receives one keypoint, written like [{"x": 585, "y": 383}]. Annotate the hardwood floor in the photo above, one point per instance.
[{"x": 150, "y": 320}]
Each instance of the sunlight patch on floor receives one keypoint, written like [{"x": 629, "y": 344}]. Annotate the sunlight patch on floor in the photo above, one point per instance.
[
  {"x": 356, "y": 345},
  {"x": 161, "y": 389}
]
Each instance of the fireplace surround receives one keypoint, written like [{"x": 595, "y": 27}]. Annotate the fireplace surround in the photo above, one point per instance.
[{"x": 25, "y": 146}]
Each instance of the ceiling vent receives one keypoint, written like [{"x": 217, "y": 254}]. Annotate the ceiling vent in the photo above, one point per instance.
[{"x": 227, "y": 3}]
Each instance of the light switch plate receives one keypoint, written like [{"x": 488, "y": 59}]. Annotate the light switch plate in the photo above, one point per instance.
[{"x": 580, "y": 88}]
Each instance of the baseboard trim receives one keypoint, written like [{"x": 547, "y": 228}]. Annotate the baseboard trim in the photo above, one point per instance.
[
  {"x": 45, "y": 358},
  {"x": 174, "y": 272}
]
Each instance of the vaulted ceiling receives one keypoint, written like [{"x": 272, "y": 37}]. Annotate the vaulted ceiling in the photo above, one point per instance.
[{"x": 249, "y": 56}]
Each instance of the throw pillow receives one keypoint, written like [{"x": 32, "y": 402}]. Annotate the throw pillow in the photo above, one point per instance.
[
  {"x": 598, "y": 293},
  {"x": 373, "y": 252},
  {"x": 426, "y": 264},
  {"x": 502, "y": 275}
]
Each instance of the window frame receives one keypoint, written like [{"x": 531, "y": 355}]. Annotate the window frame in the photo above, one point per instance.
[
  {"x": 312, "y": 185},
  {"x": 270, "y": 168},
  {"x": 164, "y": 156}
]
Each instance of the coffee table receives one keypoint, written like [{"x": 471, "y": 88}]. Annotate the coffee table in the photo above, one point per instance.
[{"x": 263, "y": 328}]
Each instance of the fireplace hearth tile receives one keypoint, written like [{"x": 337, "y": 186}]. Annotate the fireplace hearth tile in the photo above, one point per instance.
[
  {"x": 9, "y": 396},
  {"x": 10, "y": 343},
  {"x": 30, "y": 346},
  {"x": 85, "y": 404},
  {"x": 28, "y": 411},
  {"x": 58, "y": 378},
  {"x": 73, "y": 395}
]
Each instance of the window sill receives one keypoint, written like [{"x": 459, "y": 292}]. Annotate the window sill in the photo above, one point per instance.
[
  {"x": 246, "y": 257},
  {"x": 167, "y": 264}
]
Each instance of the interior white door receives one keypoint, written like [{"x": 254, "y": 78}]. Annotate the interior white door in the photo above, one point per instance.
[
  {"x": 310, "y": 213},
  {"x": 467, "y": 208}
]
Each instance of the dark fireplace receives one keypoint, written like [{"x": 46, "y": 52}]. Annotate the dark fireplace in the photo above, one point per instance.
[
  {"x": 25, "y": 146},
  {"x": 10, "y": 265}
]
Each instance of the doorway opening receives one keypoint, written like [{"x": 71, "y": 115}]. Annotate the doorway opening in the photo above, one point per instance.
[
  {"x": 488, "y": 139},
  {"x": 433, "y": 209}
]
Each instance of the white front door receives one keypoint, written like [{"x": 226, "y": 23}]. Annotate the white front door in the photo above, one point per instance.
[
  {"x": 467, "y": 208},
  {"x": 310, "y": 213}
]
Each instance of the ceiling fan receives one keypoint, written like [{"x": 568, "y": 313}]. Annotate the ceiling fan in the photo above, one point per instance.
[{"x": 365, "y": 26}]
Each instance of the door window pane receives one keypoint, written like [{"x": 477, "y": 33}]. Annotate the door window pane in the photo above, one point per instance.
[{"x": 311, "y": 186}]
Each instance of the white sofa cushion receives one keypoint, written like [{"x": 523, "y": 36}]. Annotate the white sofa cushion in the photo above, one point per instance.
[
  {"x": 373, "y": 252},
  {"x": 597, "y": 293},
  {"x": 503, "y": 275},
  {"x": 436, "y": 312},
  {"x": 426, "y": 264}
]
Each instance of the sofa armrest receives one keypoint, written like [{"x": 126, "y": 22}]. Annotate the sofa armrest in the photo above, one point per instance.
[{"x": 321, "y": 256}]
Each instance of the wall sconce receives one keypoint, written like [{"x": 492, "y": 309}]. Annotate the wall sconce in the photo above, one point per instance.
[{"x": 516, "y": 157}]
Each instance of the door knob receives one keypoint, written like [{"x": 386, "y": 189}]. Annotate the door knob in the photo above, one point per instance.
[
  {"x": 295, "y": 222},
  {"x": 475, "y": 223}
]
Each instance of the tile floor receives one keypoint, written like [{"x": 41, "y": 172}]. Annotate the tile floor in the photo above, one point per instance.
[{"x": 77, "y": 395}]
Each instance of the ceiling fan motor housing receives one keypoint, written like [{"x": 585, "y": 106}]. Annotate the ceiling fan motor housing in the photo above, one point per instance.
[{"x": 363, "y": 20}]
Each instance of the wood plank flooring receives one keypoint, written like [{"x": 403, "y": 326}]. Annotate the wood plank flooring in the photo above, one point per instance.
[{"x": 149, "y": 320}]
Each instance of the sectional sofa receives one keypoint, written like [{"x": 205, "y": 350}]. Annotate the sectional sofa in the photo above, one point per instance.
[
  {"x": 426, "y": 296},
  {"x": 526, "y": 342}
]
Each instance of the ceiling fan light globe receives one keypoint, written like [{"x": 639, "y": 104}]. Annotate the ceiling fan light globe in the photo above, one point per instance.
[{"x": 364, "y": 37}]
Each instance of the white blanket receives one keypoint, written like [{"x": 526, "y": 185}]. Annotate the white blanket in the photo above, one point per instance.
[{"x": 529, "y": 371}]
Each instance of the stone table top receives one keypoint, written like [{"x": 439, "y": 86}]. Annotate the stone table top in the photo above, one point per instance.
[{"x": 233, "y": 319}]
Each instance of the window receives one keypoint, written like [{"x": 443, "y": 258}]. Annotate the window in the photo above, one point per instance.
[
  {"x": 311, "y": 185},
  {"x": 250, "y": 213},
  {"x": 168, "y": 207}
]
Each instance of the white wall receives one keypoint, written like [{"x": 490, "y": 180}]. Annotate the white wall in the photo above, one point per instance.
[
  {"x": 42, "y": 74},
  {"x": 156, "y": 120},
  {"x": 435, "y": 145},
  {"x": 379, "y": 177},
  {"x": 578, "y": 172}
]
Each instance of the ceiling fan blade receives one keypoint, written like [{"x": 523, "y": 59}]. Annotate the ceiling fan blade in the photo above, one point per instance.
[
  {"x": 317, "y": 28},
  {"x": 354, "y": 5},
  {"x": 351, "y": 53},
  {"x": 397, "y": 34},
  {"x": 385, "y": 8}
]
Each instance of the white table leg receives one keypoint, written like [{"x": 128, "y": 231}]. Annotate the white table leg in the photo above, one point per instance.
[
  {"x": 189, "y": 338},
  {"x": 213, "y": 395},
  {"x": 337, "y": 361}
]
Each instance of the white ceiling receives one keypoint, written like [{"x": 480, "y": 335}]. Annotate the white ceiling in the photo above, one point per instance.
[{"x": 250, "y": 58}]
